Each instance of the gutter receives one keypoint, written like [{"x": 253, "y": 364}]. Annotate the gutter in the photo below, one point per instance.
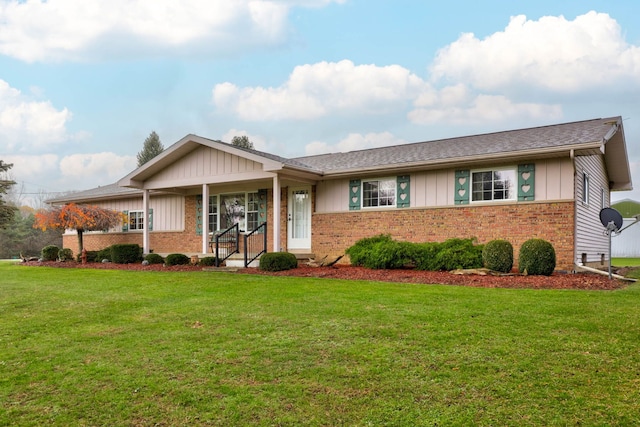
[{"x": 604, "y": 273}]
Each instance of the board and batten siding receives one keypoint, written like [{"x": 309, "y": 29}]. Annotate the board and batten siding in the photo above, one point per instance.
[
  {"x": 590, "y": 237},
  {"x": 201, "y": 163},
  {"x": 553, "y": 181},
  {"x": 168, "y": 211}
]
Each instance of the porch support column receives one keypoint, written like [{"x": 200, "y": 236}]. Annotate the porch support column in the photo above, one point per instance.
[
  {"x": 205, "y": 218},
  {"x": 276, "y": 213},
  {"x": 145, "y": 229}
]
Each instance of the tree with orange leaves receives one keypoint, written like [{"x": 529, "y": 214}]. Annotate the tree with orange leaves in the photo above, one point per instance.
[{"x": 78, "y": 217}]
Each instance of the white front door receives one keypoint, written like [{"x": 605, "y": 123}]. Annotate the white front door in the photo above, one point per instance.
[{"x": 299, "y": 218}]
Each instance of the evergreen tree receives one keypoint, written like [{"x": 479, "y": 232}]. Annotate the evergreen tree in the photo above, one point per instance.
[
  {"x": 6, "y": 211},
  {"x": 242, "y": 141},
  {"x": 151, "y": 148}
]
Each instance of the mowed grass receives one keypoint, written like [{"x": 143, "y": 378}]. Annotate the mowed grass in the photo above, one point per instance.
[{"x": 99, "y": 347}]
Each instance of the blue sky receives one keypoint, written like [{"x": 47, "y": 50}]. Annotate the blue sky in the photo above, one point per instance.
[{"x": 84, "y": 82}]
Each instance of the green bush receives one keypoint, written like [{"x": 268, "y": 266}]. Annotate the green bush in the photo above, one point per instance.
[
  {"x": 102, "y": 254},
  {"x": 65, "y": 254},
  {"x": 360, "y": 252},
  {"x": 388, "y": 255},
  {"x": 278, "y": 261},
  {"x": 208, "y": 261},
  {"x": 154, "y": 259},
  {"x": 50, "y": 253},
  {"x": 126, "y": 253},
  {"x": 537, "y": 257},
  {"x": 177, "y": 259},
  {"x": 497, "y": 255},
  {"x": 92, "y": 256},
  {"x": 424, "y": 256},
  {"x": 456, "y": 254}
]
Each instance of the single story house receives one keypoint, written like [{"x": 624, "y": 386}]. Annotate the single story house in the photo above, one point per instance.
[{"x": 546, "y": 182}]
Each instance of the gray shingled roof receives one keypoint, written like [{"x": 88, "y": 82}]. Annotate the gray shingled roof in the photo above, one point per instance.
[
  {"x": 466, "y": 147},
  {"x": 538, "y": 138}
]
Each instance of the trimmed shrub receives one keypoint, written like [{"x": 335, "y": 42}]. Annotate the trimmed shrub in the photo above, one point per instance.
[
  {"x": 92, "y": 256},
  {"x": 361, "y": 250},
  {"x": 208, "y": 261},
  {"x": 497, "y": 255},
  {"x": 126, "y": 253},
  {"x": 456, "y": 254},
  {"x": 537, "y": 257},
  {"x": 50, "y": 253},
  {"x": 177, "y": 259},
  {"x": 65, "y": 254},
  {"x": 104, "y": 254},
  {"x": 154, "y": 259},
  {"x": 424, "y": 256},
  {"x": 278, "y": 261},
  {"x": 387, "y": 255}
]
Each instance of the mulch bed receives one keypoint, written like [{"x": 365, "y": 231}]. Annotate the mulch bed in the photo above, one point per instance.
[{"x": 587, "y": 281}]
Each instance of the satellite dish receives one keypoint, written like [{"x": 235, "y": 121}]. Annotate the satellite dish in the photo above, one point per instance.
[{"x": 611, "y": 219}]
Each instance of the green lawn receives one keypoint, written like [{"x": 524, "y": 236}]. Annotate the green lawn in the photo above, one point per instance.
[{"x": 100, "y": 347}]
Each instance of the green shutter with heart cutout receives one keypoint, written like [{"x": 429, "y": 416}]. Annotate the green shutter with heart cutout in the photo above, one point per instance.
[
  {"x": 461, "y": 196},
  {"x": 526, "y": 182},
  {"x": 354, "y": 195},
  {"x": 199, "y": 214},
  {"x": 125, "y": 223},
  {"x": 402, "y": 193}
]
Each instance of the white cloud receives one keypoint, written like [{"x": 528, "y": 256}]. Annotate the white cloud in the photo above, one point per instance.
[
  {"x": 27, "y": 124},
  {"x": 551, "y": 53},
  {"x": 108, "y": 167},
  {"x": 55, "y": 30},
  {"x": 317, "y": 90},
  {"x": 354, "y": 141},
  {"x": 456, "y": 105}
]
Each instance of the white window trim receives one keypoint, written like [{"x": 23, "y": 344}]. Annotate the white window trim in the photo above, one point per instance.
[
  {"x": 395, "y": 192},
  {"x": 219, "y": 197},
  {"x": 514, "y": 195},
  {"x": 136, "y": 211},
  {"x": 585, "y": 188}
]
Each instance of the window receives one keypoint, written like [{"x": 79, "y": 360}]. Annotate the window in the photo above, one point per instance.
[
  {"x": 226, "y": 210},
  {"x": 493, "y": 185},
  {"x": 603, "y": 200},
  {"x": 136, "y": 220},
  {"x": 585, "y": 188},
  {"x": 376, "y": 193}
]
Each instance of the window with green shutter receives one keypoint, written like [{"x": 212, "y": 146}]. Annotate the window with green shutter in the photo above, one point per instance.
[{"x": 199, "y": 215}]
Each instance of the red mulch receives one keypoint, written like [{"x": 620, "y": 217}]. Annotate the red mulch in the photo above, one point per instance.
[{"x": 589, "y": 281}]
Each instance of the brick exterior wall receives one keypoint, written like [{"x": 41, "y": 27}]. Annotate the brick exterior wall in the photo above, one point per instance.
[{"x": 554, "y": 222}]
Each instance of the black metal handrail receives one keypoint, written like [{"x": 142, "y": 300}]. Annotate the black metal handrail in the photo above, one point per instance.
[
  {"x": 228, "y": 239},
  {"x": 255, "y": 244}
]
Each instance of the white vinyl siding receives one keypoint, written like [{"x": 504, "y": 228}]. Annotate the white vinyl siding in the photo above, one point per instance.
[{"x": 590, "y": 238}]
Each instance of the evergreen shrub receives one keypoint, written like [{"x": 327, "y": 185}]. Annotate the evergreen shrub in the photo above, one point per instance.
[
  {"x": 154, "y": 259},
  {"x": 208, "y": 261},
  {"x": 359, "y": 253},
  {"x": 497, "y": 255},
  {"x": 50, "y": 253},
  {"x": 278, "y": 261},
  {"x": 177, "y": 259},
  {"x": 126, "y": 253},
  {"x": 537, "y": 257},
  {"x": 102, "y": 254},
  {"x": 456, "y": 254},
  {"x": 65, "y": 254}
]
